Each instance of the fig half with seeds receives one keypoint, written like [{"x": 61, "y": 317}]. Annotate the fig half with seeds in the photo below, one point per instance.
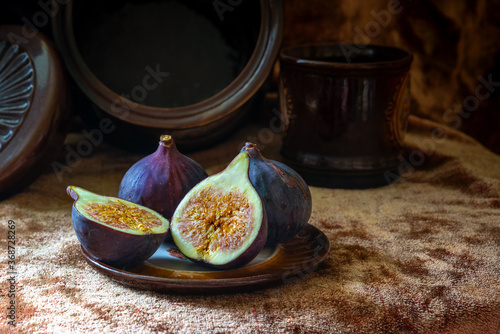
[
  {"x": 284, "y": 192},
  {"x": 116, "y": 232},
  {"x": 221, "y": 222},
  {"x": 160, "y": 180}
]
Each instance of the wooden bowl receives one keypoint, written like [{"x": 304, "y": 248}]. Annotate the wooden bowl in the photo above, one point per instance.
[
  {"x": 34, "y": 107},
  {"x": 107, "y": 44}
]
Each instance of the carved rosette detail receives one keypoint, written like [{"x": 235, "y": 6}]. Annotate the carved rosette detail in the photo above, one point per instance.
[{"x": 16, "y": 89}]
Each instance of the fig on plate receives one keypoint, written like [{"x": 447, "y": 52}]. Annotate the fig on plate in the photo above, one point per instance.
[
  {"x": 160, "y": 180},
  {"x": 221, "y": 222},
  {"x": 116, "y": 232},
  {"x": 284, "y": 192}
]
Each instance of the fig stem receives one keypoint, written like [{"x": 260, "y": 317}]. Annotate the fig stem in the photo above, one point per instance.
[
  {"x": 166, "y": 140},
  {"x": 249, "y": 145},
  {"x": 71, "y": 192}
]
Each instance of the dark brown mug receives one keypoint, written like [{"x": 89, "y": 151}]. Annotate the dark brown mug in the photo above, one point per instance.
[{"x": 346, "y": 108}]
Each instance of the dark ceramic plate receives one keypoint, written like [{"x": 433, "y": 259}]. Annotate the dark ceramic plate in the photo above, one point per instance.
[{"x": 164, "y": 272}]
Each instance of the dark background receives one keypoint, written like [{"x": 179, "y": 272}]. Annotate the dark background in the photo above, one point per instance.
[{"x": 454, "y": 44}]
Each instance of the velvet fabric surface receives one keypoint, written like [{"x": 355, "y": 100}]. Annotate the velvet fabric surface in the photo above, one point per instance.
[{"x": 421, "y": 255}]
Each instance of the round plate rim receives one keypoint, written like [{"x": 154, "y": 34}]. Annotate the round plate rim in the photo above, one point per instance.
[{"x": 307, "y": 264}]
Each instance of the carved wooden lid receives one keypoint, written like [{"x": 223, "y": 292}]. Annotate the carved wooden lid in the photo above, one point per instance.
[{"x": 33, "y": 103}]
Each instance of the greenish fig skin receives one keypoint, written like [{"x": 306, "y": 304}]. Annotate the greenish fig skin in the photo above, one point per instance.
[
  {"x": 116, "y": 248},
  {"x": 285, "y": 195},
  {"x": 260, "y": 239},
  {"x": 161, "y": 180}
]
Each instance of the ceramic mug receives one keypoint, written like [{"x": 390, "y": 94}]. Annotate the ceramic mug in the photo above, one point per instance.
[{"x": 346, "y": 108}]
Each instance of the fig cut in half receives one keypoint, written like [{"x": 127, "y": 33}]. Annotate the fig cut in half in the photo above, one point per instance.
[
  {"x": 114, "y": 231},
  {"x": 222, "y": 222}
]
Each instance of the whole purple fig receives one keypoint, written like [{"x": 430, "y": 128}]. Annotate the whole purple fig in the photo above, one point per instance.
[
  {"x": 285, "y": 194},
  {"x": 160, "y": 180}
]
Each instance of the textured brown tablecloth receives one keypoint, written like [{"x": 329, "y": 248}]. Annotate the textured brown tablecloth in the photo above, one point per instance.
[{"x": 419, "y": 256}]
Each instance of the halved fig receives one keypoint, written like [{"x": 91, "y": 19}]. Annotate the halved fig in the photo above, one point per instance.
[
  {"x": 284, "y": 192},
  {"x": 222, "y": 222},
  {"x": 115, "y": 231}
]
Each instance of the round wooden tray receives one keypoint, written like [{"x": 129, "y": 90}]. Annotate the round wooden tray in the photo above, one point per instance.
[{"x": 286, "y": 263}]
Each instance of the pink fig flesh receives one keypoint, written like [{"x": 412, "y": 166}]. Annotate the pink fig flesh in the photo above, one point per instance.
[{"x": 221, "y": 222}]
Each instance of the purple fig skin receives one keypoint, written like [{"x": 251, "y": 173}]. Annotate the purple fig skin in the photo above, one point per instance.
[
  {"x": 283, "y": 191},
  {"x": 160, "y": 180},
  {"x": 109, "y": 246}
]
